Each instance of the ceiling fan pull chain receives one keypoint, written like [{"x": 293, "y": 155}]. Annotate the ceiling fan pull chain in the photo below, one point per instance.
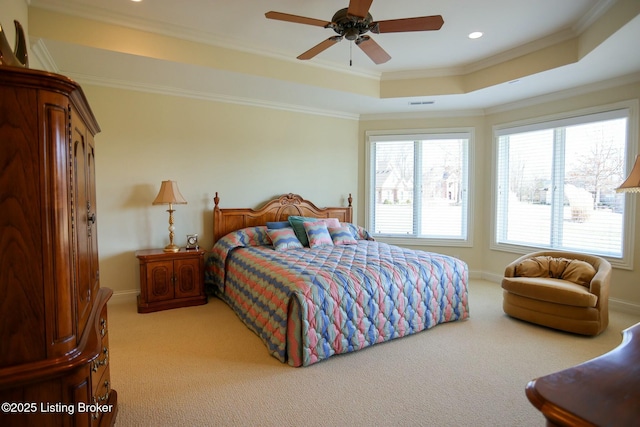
[{"x": 350, "y": 54}]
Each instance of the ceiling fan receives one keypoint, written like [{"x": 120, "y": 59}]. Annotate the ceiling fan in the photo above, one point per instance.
[{"x": 353, "y": 22}]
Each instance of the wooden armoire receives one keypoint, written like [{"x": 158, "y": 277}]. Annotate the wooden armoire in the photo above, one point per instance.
[{"x": 54, "y": 349}]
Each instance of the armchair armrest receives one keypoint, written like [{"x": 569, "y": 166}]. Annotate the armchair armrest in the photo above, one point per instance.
[{"x": 600, "y": 283}]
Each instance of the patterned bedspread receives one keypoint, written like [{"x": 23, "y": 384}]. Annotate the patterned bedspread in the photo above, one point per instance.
[{"x": 309, "y": 304}]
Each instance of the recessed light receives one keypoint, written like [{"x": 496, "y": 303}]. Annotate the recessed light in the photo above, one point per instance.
[{"x": 475, "y": 35}]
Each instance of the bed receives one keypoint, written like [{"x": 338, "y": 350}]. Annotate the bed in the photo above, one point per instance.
[{"x": 336, "y": 295}]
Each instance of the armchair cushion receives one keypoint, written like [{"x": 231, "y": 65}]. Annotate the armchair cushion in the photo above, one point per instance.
[
  {"x": 551, "y": 290},
  {"x": 572, "y": 270}
]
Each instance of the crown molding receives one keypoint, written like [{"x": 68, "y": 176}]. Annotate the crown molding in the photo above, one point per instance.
[
  {"x": 592, "y": 15},
  {"x": 423, "y": 115},
  {"x": 500, "y": 58},
  {"x": 183, "y": 93},
  {"x": 529, "y": 102},
  {"x": 41, "y": 53},
  {"x": 583, "y": 23},
  {"x": 567, "y": 93},
  {"x": 173, "y": 91}
]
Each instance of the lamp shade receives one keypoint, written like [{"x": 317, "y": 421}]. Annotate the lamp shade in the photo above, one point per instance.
[
  {"x": 632, "y": 183},
  {"x": 169, "y": 194}
]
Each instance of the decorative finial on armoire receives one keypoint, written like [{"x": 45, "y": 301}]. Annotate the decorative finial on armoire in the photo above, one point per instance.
[{"x": 17, "y": 57}]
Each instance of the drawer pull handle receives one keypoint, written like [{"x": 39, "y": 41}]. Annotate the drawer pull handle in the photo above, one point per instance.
[
  {"x": 96, "y": 364},
  {"x": 103, "y": 327},
  {"x": 100, "y": 399}
]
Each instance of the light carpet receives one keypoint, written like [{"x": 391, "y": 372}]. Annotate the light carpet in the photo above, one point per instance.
[{"x": 200, "y": 366}]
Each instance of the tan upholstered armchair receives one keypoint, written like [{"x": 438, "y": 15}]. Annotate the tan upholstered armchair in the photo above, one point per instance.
[{"x": 560, "y": 290}]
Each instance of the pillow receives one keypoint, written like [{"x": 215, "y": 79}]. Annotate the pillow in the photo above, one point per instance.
[
  {"x": 580, "y": 272},
  {"x": 360, "y": 233},
  {"x": 533, "y": 267},
  {"x": 331, "y": 222},
  {"x": 317, "y": 233},
  {"x": 274, "y": 225},
  {"x": 342, "y": 236},
  {"x": 284, "y": 238},
  {"x": 296, "y": 222}
]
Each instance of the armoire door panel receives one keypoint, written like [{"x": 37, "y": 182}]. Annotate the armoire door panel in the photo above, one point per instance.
[
  {"x": 92, "y": 211},
  {"x": 57, "y": 266},
  {"x": 21, "y": 245},
  {"x": 81, "y": 224}
]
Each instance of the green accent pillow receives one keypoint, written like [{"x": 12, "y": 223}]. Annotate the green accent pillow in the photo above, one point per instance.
[{"x": 298, "y": 227}]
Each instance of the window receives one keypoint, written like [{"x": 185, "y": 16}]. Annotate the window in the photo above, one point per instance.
[
  {"x": 555, "y": 184},
  {"x": 418, "y": 186}
]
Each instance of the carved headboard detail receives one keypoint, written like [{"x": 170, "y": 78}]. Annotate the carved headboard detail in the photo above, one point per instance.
[{"x": 228, "y": 220}]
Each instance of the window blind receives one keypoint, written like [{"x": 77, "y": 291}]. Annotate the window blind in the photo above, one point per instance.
[
  {"x": 418, "y": 185},
  {"x": 556, "y": 184}
]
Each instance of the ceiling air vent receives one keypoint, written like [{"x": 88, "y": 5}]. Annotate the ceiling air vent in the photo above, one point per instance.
[{"x": 421, "y": 102}]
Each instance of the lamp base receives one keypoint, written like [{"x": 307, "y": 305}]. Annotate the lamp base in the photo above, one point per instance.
[{"x": 171, "y": 248}]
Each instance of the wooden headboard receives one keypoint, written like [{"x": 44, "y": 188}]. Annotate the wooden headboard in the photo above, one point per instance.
[{"x": 228, "y": 220}]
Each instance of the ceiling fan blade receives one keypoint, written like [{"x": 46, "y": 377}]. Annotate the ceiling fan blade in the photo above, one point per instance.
[
  {"x": 372, "y": 49},
  {"x": 320, "y": 47},
  {"x": 421, "y": 23},
  {"x": 359, "y": 8},
  {"x": 296, "y": 19}
]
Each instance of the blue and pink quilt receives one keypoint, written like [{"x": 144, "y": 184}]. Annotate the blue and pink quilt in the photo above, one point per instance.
[{"x": 311, "y": 303}]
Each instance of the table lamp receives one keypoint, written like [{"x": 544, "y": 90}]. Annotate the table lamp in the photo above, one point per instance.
[
  {"x": 170, "y": 195},
  {"x": 632, "y": 183}
]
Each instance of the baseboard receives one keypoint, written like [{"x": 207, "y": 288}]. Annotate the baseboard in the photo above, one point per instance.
[
  {"x": 120, "y": 297},
  {"x": 491, "y": 277},
  {"x": 624, "y": 306}
]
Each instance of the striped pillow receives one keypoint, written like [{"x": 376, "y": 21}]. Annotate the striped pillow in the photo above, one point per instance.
[
  {"x": 342, "y": 236},
  {"x": 283, "y": 239},
  {"x": 297, "y": 224},
  {"x": 317, "y": 233}
]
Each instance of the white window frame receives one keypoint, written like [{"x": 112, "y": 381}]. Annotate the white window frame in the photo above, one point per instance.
[
  {"x": 545, "y": 122},
  {"x": 412, "y": 135}
]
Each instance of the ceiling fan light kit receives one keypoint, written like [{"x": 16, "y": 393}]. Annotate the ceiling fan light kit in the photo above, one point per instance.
[{"x": 353, "y": 22}]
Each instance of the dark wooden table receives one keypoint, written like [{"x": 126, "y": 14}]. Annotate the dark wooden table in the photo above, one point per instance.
[{"x": 604, "y": 391}]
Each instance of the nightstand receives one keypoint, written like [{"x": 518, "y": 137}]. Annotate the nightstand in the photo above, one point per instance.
[{"x": 170, "y": 279}]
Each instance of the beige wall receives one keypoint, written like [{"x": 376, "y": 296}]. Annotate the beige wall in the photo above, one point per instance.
[{"x": 246, "y": 154}]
